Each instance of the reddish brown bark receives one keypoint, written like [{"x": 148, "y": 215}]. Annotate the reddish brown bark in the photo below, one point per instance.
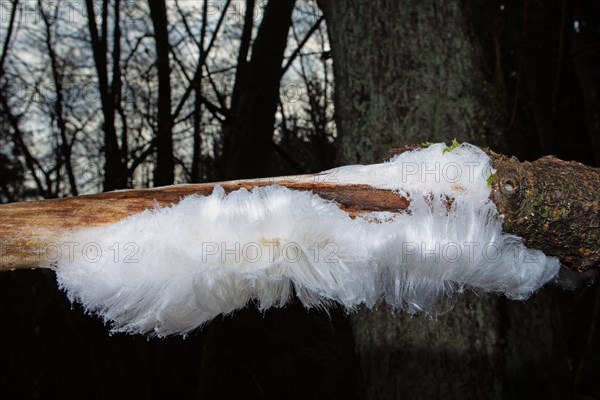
[{"x": 27, "y": 229}]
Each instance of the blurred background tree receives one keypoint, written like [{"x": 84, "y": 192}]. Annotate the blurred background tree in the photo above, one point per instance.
[{"x": 104, "y": 94}]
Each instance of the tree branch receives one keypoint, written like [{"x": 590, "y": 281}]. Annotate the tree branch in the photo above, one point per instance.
[
  {"x": 553, "y": 205},
  {"x": 198, "y": 72},
  {"x": 296, "y": 52}
]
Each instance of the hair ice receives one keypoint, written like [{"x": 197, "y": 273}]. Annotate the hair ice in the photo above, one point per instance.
[{"x": 170, "y": 270}]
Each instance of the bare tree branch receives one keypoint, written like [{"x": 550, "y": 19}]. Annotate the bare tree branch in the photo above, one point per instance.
[
  {"x": 198, "y": 72},
  {"x": 549, "y": 202},
  {"x": 296, "y": 52}
]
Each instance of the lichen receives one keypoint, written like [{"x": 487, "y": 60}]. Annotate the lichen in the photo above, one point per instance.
[
  {"x": 453, "y": 146},
  {"x": 491, "y": 180}
]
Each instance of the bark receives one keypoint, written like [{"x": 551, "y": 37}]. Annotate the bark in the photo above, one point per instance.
[
  {"x": 554, "y": 205},
  {"x": 249, "y": 148},
  {"x": 164, "y": 173}
]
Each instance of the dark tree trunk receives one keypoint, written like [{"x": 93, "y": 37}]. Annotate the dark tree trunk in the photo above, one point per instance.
[
  {"x": 164, "y": 172},
  {"x": 406, "y": 72},
  {"x": 239, "y": 84},
  {"x": 249, "y": 148},
  {"x": 117, "y": 84},
  {"x": 414, "y": 71},
  {"x": 115, "y": 171},
  {"x": 242, "y": 59}
]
